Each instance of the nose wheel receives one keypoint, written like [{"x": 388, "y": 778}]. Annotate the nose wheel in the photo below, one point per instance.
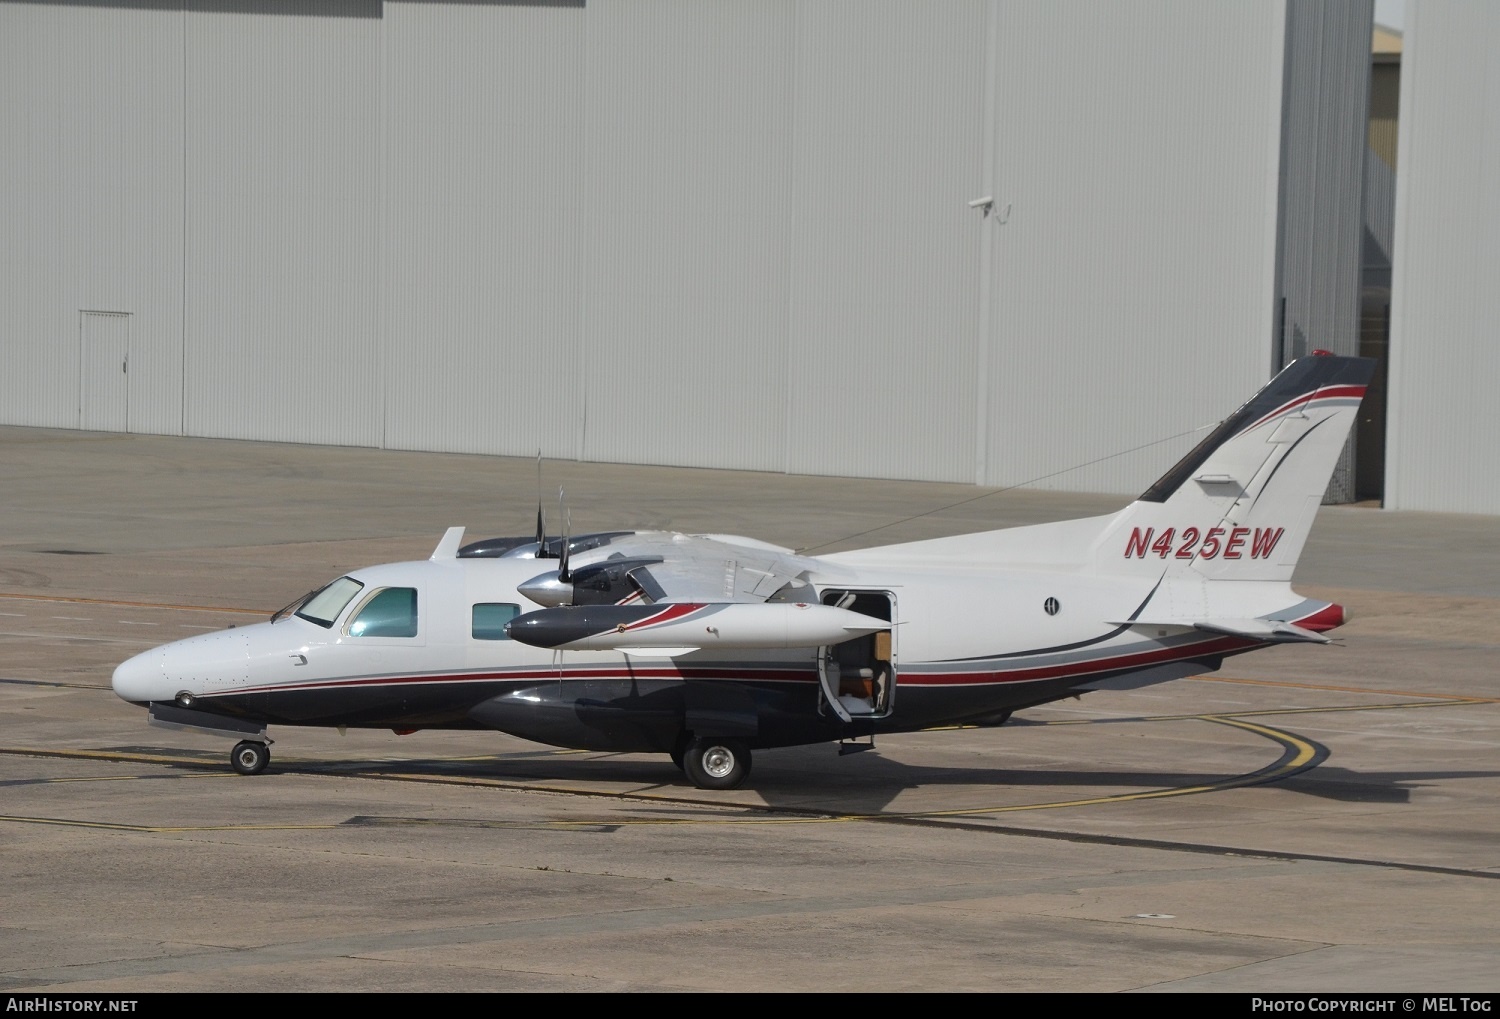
[{"x": 249, "y": 758}]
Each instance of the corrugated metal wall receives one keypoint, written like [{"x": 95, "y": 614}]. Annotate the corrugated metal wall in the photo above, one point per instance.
[
  {"x": 690, "y": 239},
  {"x": 1323, "y": 159},
  {"x": 1325, "y": 121},
  {"x": 1444, "y": 419},
  {"x": 1380, "y": 170},
  {"x": 282, "y": 248},
  {"x": 670, "y": 231},
  {"x": 1135, "y": 157},
  {"x": 484, "y": 227},
  {"x": 889, "y": 140},
  {"x": 91, "y": 207}
]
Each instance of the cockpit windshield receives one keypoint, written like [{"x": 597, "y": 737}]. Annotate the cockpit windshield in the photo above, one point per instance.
[{"x": 324, "y": 605}]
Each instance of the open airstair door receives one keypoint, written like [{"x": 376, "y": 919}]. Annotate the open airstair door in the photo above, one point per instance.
[{"x": 858, "y": 677}]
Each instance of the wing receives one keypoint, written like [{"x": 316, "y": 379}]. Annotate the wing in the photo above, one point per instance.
[
  {"x": 665, "y": 567},
  {"x": 660, "y": 593}
]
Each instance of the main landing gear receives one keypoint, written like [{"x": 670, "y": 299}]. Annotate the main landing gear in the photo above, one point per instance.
[
  {"x": 250, "y": 758},
  {"x": 713, "y": 763}
]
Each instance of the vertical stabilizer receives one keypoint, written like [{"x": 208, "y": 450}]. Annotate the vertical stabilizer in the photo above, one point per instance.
[{"x": 1240, "y": 505}]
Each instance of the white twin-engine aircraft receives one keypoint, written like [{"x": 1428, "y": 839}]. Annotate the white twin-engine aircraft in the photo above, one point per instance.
[{"x": 707, "y": 647}]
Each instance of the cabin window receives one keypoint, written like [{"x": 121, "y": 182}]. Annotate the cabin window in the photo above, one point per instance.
[
  {"x": 391, "y": 612},
  {"x": 323, "y": 607},
  {"x": 490, "y": 619}
]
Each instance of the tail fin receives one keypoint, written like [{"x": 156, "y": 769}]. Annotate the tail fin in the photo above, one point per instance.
[{"x": 1240, "y": 505}]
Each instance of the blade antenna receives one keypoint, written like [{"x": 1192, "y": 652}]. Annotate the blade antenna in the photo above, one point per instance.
[{"x": 541, "y": 527}]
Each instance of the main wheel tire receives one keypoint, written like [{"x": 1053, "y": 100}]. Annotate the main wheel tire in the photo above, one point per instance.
[
  {"x": 716, "y": 763},
  {"x": 249, "y": 758}
]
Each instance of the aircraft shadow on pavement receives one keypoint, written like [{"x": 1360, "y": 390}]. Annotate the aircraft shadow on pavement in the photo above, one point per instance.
[
  {"x": 1350, "y": 786},
  {"x": 803, "y": 778}
]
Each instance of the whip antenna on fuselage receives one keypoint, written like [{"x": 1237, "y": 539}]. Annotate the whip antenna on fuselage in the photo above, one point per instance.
[{"x": 541, "y": 527}]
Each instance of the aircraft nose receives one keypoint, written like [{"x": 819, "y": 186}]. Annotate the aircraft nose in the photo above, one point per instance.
[{"x": 141, "y": 678}]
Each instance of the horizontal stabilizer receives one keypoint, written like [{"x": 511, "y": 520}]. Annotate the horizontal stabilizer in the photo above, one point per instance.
[
  {"x": 657, "y": 652},
  {"x": 1271, "y": 630}
]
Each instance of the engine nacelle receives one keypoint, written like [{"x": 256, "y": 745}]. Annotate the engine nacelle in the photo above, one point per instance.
[{"x": 691, "y": 625}]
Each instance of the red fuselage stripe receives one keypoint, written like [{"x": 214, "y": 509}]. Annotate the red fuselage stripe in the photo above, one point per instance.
[
  {"x": 669, "y": 614},
  {"x": 1136, "y": 659}
]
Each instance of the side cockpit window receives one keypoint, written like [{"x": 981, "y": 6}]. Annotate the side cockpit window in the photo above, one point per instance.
[
  {"x": 490, "y": 618},
  {"x": 391, "y": 612}
]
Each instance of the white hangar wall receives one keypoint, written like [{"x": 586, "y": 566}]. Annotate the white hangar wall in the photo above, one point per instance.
[
  {"x": 885, "y": 268},
  {"x": 1444, "y": 420},
  {"x": 728, "y": 235},
  {"x": 91, "y": 216},
  {"x": 1135, "y": 173},
  {"x": 204, "y": 182},
  {"x": 689, "y": 246},
  {"x": 282, "y": 235},
  {"x": 485, "y": 278},
  {"x": 731, "y": 235}
]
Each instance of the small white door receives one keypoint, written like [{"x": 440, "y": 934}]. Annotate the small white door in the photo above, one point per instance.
[{"x": 104, "y": 368}]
